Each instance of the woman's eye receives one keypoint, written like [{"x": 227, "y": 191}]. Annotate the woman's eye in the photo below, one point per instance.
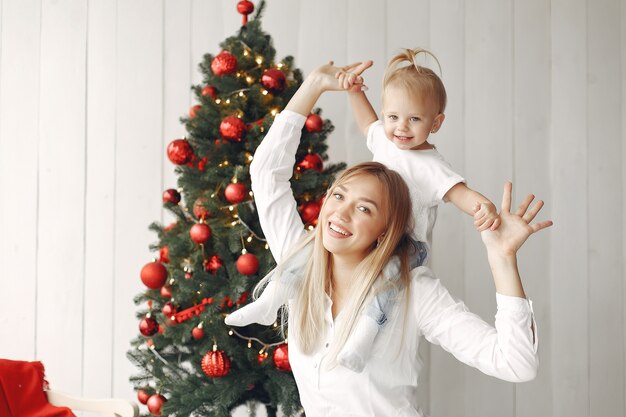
[{"x": 337, "y": 196}]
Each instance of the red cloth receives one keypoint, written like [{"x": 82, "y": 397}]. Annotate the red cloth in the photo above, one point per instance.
[{"x": 22, "y": 391}]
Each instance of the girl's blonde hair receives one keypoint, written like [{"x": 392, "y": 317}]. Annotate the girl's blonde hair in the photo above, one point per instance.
[
  {"x": 309, "y": 306},
  {"x": 417, "y": 79}
]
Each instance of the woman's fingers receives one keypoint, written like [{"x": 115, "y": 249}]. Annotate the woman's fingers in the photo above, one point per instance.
[
  {"x": 506, "y": 197},
  {"x": 530, "y": 214},
  {"x": 541, "y": 225},
  {"x": 524, "y": 205}
]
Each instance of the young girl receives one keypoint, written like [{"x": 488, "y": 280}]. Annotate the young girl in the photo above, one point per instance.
[
  {"x": 414, "y": 99},
  {"x": 362, "y": 224}
]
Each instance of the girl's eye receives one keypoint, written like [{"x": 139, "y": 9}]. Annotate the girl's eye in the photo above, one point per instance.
[
  {"x": 415, "y": 119},
  {"x": 364, "y": 209},
  {"x": 393, "y": 117}
]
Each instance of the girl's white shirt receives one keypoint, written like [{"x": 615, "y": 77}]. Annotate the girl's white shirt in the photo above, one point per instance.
[{"x": 387, "y": 386}]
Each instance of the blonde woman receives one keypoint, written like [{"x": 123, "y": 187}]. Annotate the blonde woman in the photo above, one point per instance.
[{"x": 364, "y": 221}]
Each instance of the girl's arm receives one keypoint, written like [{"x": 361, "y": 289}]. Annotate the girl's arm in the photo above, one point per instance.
[
  {"x": 350, "y": 79},
  {"x": 475, "y": 204}
]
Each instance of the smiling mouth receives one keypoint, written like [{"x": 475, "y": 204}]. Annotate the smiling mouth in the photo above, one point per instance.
[
  {"x": 338, "y": 230},
  {"x": 403, "y": 138}
]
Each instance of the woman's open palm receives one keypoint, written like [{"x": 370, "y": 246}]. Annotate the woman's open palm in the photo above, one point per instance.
[{"x": 515, "y": 227}]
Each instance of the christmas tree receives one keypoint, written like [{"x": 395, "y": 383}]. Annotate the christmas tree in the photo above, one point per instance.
[{"x": 213, "y": 254}]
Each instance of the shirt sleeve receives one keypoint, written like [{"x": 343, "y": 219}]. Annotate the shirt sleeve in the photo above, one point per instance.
[
  {"x": 507, "y": 351},
  {"x": 372, "y": 135},
  {"x": 270, "y": 171}
]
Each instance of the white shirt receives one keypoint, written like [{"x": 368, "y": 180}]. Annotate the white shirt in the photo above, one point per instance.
[
  {"x": 387, "y": 386},
  {"x": 427, "y": 174}
]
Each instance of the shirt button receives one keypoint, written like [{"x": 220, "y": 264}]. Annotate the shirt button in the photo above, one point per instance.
[
  {"x": 326, "y": 344},
  {"x": 315, "y": 365}
]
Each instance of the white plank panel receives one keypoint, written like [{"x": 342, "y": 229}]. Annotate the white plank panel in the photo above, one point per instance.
[
  {"x": 623, "y": 141},
  {"x": 447, "y": 33},
  {"x": 138, "y": 159},
  {"x": 19, "y": 132},
  {"x": 569, "y": 249},
  {"x": 488, "y": 123},
  {"x": 281, "y": 21},
  {"x": 208, "y": 30},
  {"x": 177, "y": 75},
  {"x": 606, "y": 329},
  {"x": 531, "y": 103},
  {"x": 100, "y": 199},
  {"x": 60, "y": 257}
]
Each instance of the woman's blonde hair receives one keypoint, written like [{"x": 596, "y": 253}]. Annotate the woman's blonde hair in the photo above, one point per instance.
[
  {"x": 417, "y": 79},
  {"x": 308, "y": 309}
]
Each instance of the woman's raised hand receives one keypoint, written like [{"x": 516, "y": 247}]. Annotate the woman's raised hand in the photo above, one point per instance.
[{"x": 515, "y": 227}]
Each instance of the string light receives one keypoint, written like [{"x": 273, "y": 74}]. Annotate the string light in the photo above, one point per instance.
[
  {"x": 280, "y": 65},
  {"x": 274, "y": 112},
  {"x": 259, "y": 60},
  {"x": 241, "y": 94},
  {"x": 218, "y": 101},
  {"x": 265, "y": 92}
]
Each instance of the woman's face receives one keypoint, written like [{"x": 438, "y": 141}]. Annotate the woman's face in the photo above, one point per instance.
[{"x": 353, "y": 217}]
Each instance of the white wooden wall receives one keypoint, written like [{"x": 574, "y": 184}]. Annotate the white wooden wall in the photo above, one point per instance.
[{"x": 91, "y": 92}]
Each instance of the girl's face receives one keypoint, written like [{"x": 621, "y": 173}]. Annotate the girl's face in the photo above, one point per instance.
[
  {"x": 353, "y": 217},
  {"x": 409, "y": 118}
]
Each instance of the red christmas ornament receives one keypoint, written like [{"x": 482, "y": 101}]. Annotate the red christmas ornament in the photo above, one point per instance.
[
  {"x": 161, "y": 329},
  {"x": 202, "y": 163},
  {"x": 142, "y": 396},
  {"x": 148, "y": 326},
  {"x": 262, "y": 357},
  {"x": 313, "y": 123},
  {"x": 200, "y": 210},
  {"x": 168, "y": 309},
  {"x": 164, "y": 255},
  {"x": 235, "y": 192},
  {"x": 224, "y": 63},
  {"x": 171, "y": 196},
  {"x": 281, "y": 357},
  {"x": 247, "y": 264},
  {"x": 214, "y": 263},
  {"x": 274, "y": 80},
  {"x": 232, "y": 128},
  {"x": 310, "y": 211},
  {"x": 193, "y": 111},
  {"x": 215, "y": 363},
  {"x": 155, "y": 402},
  {"x": 179, "y": 151},
  {"x": 245, "y": 7},
  {"x": 200, "y": 232},
  {"x": 153, "y": 275},
  {"x": 166, "y": 292},
  {"x": 197, "y": 333},
  {"x": 312, "y": 161},
  {"x": 209, "y": 91}
]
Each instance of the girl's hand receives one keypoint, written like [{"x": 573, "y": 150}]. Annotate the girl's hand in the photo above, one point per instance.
[
  {"x": 350, "y": 77},
  {"x": 486, "y": 216},
  {"x": 514, "y": 228}
]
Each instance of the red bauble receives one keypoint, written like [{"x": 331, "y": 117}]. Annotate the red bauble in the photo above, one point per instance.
[
  {"x": 153, "y": 275},
  {"x": 179, "y": 151},
  {"x": 313, "y": 123},
  {"x": 262, "y": 357},
  {"x": 232, "y": 128},
  {"x": 281, "y": 357},
  {"x": 166, "y": 292},
  {"x": 213, "y": 264},
  {"x": 274, "y": 80},
  {"x": 164, "y": 255},
  {"x": 310, "y": 211},
  {"x": 312, "y": 161},
  {"x": 155, "y": 402},
  {"x": 200, "y": 210},
  {"x": 224, "y": 63},
  {"x": 171, "y": 196},
  {"x": 168, "y": 309},
  {"x": 148, "y": 326},
  {"x": 245, "y": 7},
  {"x": 235, "y": 192},
  {"x": 209, "y": 91},
  {"x": 215, "y": 363},
  {"x": 200, "y": 232},
  {"x": 247, "y": 264},
  {"x": 142, "y": 396},
  {"x": 197, "y": 333},
  {"x": 193, "y": 111}
]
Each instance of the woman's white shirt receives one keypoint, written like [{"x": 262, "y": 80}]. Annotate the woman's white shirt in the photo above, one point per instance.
[{"x": 387, "y": 386}]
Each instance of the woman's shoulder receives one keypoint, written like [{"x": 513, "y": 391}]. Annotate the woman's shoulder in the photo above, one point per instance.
[{"x": 424, "y": 282}]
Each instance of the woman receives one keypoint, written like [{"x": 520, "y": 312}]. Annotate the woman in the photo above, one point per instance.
[{"x": 362, "y": 224}]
